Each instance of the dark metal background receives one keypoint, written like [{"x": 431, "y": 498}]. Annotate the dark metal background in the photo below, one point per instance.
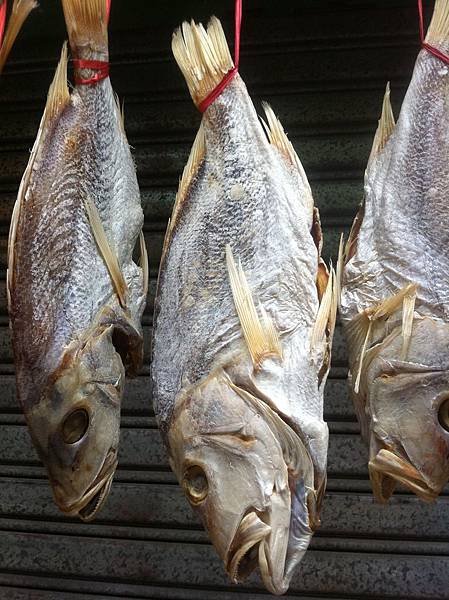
[{"x": 323, "y": 66}]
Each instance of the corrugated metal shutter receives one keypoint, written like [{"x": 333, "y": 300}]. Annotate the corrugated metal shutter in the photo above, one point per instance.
[{"x": 323, "y": 66}]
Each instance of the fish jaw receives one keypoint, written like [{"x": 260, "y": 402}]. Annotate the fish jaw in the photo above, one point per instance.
[
  {"x": 387, "y": 469},
  {"x": 76, "y": 426}
]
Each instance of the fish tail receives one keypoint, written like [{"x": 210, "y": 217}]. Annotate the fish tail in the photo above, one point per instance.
[
  {"x": 87, "y": 26},
  {"x": 202, "y": 55},
  {"x": 20, "y": 11},
  {"x": 439, "y": 25}
]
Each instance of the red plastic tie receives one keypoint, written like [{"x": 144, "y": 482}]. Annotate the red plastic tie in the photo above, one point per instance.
[
  {"x": 231, "y": 73},
  {"x": 100, "y": 66},
  {"x": 3, "y": 10},
  {"x": 440, "y": 55}
]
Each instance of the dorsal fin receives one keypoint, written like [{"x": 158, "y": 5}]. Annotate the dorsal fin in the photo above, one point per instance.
[
  {"x": 324, "y": 326},
  {"x": 58, "y": 93},
  {"x": 194, "y": 162},
  {"x": 260, "y": 334},
  {"x": 203, "y": 56},
  {"x": 340, "y": 269},
  {"x": 385, "y": 126},
  {"x": 278, "y": 138},
  {"x": 144, "y": 264},
  {"x": 439, "y": 25},
  {"x": 20, "y": 11}
]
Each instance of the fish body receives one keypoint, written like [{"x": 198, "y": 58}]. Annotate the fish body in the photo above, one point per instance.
[
  {"x": 75, "y": 295},
  {"x": 395, "y": 292},
  {"x": 243, "y": 324}
]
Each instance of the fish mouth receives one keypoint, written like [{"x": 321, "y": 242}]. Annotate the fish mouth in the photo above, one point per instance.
[
  {"x": 387, "y": 469},
  {"x": 93, "y": 499},
  {"x": 245, "y": 549},
  {"x": 250, "y": 549}
]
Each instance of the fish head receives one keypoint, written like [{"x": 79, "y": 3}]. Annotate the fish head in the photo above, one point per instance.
[
  {"x": 79, "y": 442},
  {"x": 227, "y": 452},
  {"x": 408, "y": 401}
]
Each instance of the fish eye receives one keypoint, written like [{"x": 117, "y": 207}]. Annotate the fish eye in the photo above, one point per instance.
[
  {"x": 195, "y": 484},
  {"x": 75, "y": 426},
  {"x": 443, "y": 414}
]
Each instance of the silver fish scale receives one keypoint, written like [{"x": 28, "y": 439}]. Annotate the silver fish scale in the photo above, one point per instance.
[
  {"x": 57, "y": 261},
  {"x": 404, "y": 236},
  {"x": 244, "y": 195}
]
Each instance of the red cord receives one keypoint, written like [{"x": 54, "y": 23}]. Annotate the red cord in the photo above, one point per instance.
[
  {"x": 230, "y": 74},
  {"x": 3, "y": 7},
  {"x": 100, "y": 66},
  {"x": 440, "y": 55}
]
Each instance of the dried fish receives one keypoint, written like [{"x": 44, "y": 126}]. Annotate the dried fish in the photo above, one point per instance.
[
  {"x": 75, "y": 295},
  {"x": 395, "y": 294},
  {"x": 244, "y": 318}
]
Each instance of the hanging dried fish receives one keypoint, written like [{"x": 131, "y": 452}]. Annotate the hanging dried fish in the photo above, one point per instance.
[
  {"x": 395, "y": 291},
  {"x": 244, "y": 319},
  {"x": 75, "y": 295}
]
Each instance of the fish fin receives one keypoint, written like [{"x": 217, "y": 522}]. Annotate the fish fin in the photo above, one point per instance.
[
  {"x": 144, "y": 263},
  {"x": 106, "y": 252},
  {"x": 120, "y": 113},
  {"x": 86, "y": 22},
  {"x": 58, "y": 93},
  {"x": 194, "y": 162},
  {"x": 57, "y": 99},
  {"x": 324, "y": 325},
  {"x": 438, "y": 30},
  {"x": 340, "y": 268},
  {"x": 296, "y": 456},
  {"x": 388, "y": 306},
  {"x": 385, "y": 127},
  {"x": 278, "y": 138},
  {"x": 408, "y": 309},
  {"x": 367, "y": 328},
  {"x": 261, "y": 336},
  {"x": 11, "y": 243},
  {"x": 203, "y": 56},
  {"x": 19, "y": 13},
  {"x": 359, "y": 330}
]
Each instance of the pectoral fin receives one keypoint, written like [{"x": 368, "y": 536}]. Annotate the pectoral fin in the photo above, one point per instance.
[
  {"x": 260, "y": 334},
  {"x": 108, "y": 255},
  {"x": 359, "y": 330}
]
